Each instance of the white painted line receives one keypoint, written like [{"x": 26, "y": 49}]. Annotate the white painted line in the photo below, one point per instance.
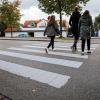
[
  {"x": 57, "y": 83},
  {"x": 62, "y": 62},
  {"x": 34, "y": 46},
  {"x": 79, "y": 43},
  {"x": 50, "y": 78},
  {"x": 63, "y": 46},
  {"x": 26, "y": 50},
  {"x": 70, "y": 44},
  {"x": 56, "y": 48},
  {"x": 69, "y": 55},
  {"x": 66, "y": 46},
  {"x": 66, "y": 49},
  {"x": 50, "y": 52}
]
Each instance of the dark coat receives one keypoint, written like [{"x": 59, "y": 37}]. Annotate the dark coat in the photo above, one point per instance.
[
  {"x": 52, "y": 30},
  {"x": 85, "y": 26},
  {"x": 73, "y": 22}
]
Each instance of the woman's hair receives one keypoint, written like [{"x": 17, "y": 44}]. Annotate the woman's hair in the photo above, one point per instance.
[
  {"x": 86, "y": 13},
  {"x": 49, "y": 17},
  {"x": 52, "y": 19}
]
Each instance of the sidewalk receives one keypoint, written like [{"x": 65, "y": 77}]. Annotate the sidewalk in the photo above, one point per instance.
[{"x": 37, "y": 39}]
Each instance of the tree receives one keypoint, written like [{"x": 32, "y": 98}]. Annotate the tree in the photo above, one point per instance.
[
  {"x": 97, "y": 24},
  {"x": 2, "y": 29},
  {"x": 60, "y": 7},
  {"x": 10, "y": 13}
]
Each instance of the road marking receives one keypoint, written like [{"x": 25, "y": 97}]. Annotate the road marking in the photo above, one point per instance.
[
  {"x": 63, "y": 46},
  {"x": 62, "y": 62},
  {"x": 50, "y": 52},
  {"x": 56, "y": 48},
  {"x": 50, "y": 78},
  {"x": 66, "y": 49}
]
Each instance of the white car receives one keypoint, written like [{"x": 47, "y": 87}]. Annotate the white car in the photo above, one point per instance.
[{"x": 22, "y": 35}]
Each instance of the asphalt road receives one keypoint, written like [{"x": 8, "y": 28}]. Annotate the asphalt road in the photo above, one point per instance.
[{"x": 28, "y": 73}]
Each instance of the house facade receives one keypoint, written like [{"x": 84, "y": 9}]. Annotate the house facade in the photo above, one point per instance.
[{"x": 43, "y": 23}]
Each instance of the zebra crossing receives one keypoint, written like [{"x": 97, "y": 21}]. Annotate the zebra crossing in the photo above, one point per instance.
[
  {"x": 50, "y": 78},
  {"x": 50, "y": 52}
]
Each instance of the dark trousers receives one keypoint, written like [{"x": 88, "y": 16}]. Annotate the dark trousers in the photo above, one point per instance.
[
  {"x": 75, "y": 42},
  {"x": 51, "y": 42},
  {"x": 83, "y": 44},
  {"x": 76, "y": 38}
]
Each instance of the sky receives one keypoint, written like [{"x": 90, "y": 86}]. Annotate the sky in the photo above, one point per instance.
[{"x": 30, "y": 11}]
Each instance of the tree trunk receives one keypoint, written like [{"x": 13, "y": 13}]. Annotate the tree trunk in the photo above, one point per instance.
[
  {"x": 11, "y": 32},
  {"x": 61, "y": 23},
  {"x": 60, "y": 13}
]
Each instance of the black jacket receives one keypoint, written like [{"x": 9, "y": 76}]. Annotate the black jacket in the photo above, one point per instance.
[{"x": 74, "y": 21}]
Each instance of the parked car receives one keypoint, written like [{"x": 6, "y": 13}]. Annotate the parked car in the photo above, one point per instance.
[{"x": 22, "y": 35}]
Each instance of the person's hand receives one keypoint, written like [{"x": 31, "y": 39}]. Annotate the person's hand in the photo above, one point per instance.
[{"x": 45, "y": 35}]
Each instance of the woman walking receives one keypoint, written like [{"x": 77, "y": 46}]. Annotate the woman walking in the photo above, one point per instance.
[
  {"x": 51, "y": 31},
  {"x": 85, "y": 27}
]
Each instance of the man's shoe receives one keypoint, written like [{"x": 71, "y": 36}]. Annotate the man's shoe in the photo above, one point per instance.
[
  {"x": 74, "y": 49},
  {"x": 89, "y": 52}
]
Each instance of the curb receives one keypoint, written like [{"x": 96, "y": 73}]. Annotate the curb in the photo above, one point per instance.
[{"x": 94, "y": 39}]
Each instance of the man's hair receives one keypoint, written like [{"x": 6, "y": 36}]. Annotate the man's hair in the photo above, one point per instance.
[{"x": 76, "y": 9}]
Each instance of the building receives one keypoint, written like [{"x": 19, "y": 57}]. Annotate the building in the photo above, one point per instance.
[{"x": 43, "y": 23}]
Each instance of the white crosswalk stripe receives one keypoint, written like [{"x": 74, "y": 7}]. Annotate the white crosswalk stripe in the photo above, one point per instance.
[
  {"x": 42, "y": 47},
  {"x": 62, "y": 62},
  {"x": 65, "y": 46},
  {"x": 50, "y": 52},
  {"x": 60, "y": 44},
  {"x": 52, "y": 79},
  {"x": 56, "y": 48},
  {"x": 70, "y": 44}
]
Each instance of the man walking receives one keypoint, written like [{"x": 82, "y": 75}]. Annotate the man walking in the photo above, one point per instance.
[{"x": 73, "y": 22}]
